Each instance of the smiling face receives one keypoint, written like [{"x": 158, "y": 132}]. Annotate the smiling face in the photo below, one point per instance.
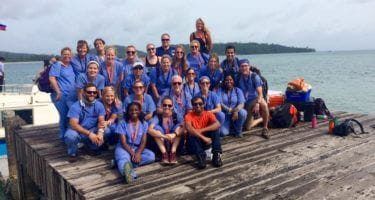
[
  {"x": 204, "y": 85},
  {"x": 165, "y": 64},
  {"x": 151, "y": 49},
  {"x": 199, "y": 25},
  {"x": 194, "y": 47},
  {"x": 134, "y": 111},
  {"x": 167, "y": 105},
  {"x": 138, "y": 88},
  {"x": 190, "y": 75},
  {"x": 229, "y": 82},
  {"x": 230, "y": 53},
  {"x": 92, "y": 70},
  {"x": 180, "y": 53},
  {"x": 66, "y": 56},
  {"x": 99, "y": 46},
  {"x": 245, "y": 69},
  {"x": 110, "y": 55},
  {"x": 109, "y": 97},
  {"x": 90, "y": 94},
  {"x": 213, "y": 63},
  {"x": 131, "y": 53},
  {"x": 198, "y": 105},
  {"x": 177, "y": 84},
  {"x": 82, "y": 50},
  {"x": 165, "y": 40}
]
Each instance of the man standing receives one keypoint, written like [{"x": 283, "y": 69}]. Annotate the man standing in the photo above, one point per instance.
[
  {"x": 231, "y": 64},
  {"x": 85, "y": 118},
  {"x": 203, "y": 131},
  {"x": 2, "y": 73},
  {"x": 165, "y": 47},
  {"x": 251, "y": 85}
]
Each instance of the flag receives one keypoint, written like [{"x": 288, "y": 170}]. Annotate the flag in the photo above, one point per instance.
[{"x": 3, "y": 27}]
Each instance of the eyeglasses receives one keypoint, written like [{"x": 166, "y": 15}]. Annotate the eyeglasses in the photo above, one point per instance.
[
  {"x": 176, "y": 83},
  {"x": 137, "y": 68},
  {"x": 198, "y": 104},
  {"x": 137, "y": 87},
  {"x": 130, "y": 52},
  {"x": 165, "y": 39},
  {"x": 91, "y": 92},
  {"x": 205, "y": 83},
  {"x": 191, "y": 73},
  {"x": 195, "y": 47},
  {"x": 167, "y": 105},
  {"x": 150, "y": 49}
]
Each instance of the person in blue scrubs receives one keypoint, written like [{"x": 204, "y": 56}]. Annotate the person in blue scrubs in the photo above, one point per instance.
[
  {"x": 165, "y": 47},
  {"x": 86, "y": 117},
  {"x": 231, "y": 65},
  {"x": 255, "y": 103},
  {"x": 196, "y": 60},
  {"x": 212, "y": 101},
  {"x": 131, "y": 149},
  {"x": 99, "y": 45},
  {"x": 191, "y": 87},
  {"x": 79, "y": 62},
  {"x": 112, "y": 70},
  {"x": 161, "y": 79},
  {"x": 166, "y": 129},
  {"x": 214, "y": 72},
  {"x": 131, "y": 58},
  {"x": 137, "y": 75},
  {"x": 91, "y": 76},
  {"x": 232, "y": 104},
  {"x": 64, "y": 94},
  {"x": 139, "y": 95}
]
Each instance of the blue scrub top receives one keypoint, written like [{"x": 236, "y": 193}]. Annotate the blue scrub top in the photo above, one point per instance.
[
  {"x": 231, "y": 69},
  {"x": 148, "y": 104},
  {"x": 117, "y": 71},
  {"x": 82, "y": 81},
  {"x": 171, "y": 126},
  {"x": 191, "y": 91},
  {"x": 246, "y": 85},
  {"x": 123, "y": 128},
  {"x": 65, "y": 78},
  {"x": 179, "y": 108},
  {"x": 115, "y": 109},
  {"x": 211, "y": 101},
  {"x": 215, "y": 78},
  {"x": 87, "y": 114},
  {"x": 198, "y": 63},
  {"x": 232, "y": 99},
  {"x": 127, "y": 67},
  {"x": 80, "y": 65},
  {"x": 160, "y": 51},
  {"x": 162, "y": 81},
  {"x": 129, "y": 82}
]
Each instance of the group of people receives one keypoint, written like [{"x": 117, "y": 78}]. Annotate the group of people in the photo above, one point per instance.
[{"x": 169, "y": 103}]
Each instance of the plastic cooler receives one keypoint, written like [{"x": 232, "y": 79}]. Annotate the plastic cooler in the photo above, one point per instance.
[
  {"x": 298, "y": 96},
  {"x": 275, "y": 100}
]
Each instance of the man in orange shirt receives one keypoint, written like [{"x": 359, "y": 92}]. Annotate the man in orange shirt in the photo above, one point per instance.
[{"x": 203, "y": 132}]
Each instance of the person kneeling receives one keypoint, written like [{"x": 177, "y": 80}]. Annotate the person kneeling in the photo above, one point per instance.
[
  {"x": 167, "y": 128},
  {"x": 203, "y": 131}
]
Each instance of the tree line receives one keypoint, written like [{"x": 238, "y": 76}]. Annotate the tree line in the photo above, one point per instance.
[{"x": 219, "y": 48}]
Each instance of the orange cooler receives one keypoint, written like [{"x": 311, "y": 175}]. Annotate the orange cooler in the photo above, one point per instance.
[{"x": 275, "y": 100}]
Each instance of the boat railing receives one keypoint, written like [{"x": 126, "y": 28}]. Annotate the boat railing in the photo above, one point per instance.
[{"x": 17, "y": 88}]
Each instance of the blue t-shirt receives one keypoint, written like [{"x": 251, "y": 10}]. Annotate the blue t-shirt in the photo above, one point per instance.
[
  {"x": 82, "y": 81},
  {"x": 132, "y": 132},
  {"x": 162, "y": 80},
  {"x": 232, "y": 99},
  {"x": 128, "y": 82},
  {"x": 87, "y": 115},
  {"x": 160, "y": 51},
  {"x": 211, "y": 101},
  {"x": 246, "y": 85},
  {"x": 80, "y": 65},
  {"x": 65, "y": 78},
  {"x": 148, "y": 104},
  {"x": 117, "y": 71}
]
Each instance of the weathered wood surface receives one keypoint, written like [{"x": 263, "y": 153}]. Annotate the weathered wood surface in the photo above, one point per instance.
[{"x": 296, "y": 163}]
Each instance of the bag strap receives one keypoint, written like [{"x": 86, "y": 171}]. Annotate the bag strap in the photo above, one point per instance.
[{"x": 359, "y": 124}]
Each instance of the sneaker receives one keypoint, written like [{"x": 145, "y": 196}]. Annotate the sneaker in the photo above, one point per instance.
[
  {"x": 265, "y": 133},
  {"x": 165, "y": 158},
  {"x": 172, "y": 158},
  {"x": 201, "y": 161},
  {"x": 127, "y": 172},
  {"x": 80, "y": 145},
  {"x": 216, "y": 160},
  {"x": 113, "y": 164},
  {"x": 238, "y": 135}
]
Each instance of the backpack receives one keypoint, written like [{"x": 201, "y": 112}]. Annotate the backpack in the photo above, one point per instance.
[
  {"x": 256, "y": 71},
  {"x": 345, "y": 128},
  {"x": 320, "y": 108},
  {"x": 43, "y": 82},
  {"x": 284, "y": 116}
]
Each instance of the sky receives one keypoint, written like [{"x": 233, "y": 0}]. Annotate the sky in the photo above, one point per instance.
[{"x": 45, "y": 26}]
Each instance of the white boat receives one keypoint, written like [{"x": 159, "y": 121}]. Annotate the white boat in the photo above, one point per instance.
[{"x": 32, "y": 105}]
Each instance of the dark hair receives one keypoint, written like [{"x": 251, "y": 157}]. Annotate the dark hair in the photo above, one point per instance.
[
  {"x": 196, "y": 98},
  {"x": 167, "y": 98},
  {"x": 83, "y": 43},
  {"x": 230, "y": 47},
  {"x": 90, "y": 85},
  {"x": 99, "y": 39},
  {"x": 233, "y": 77},
  {"x": 141, "y": 115}
]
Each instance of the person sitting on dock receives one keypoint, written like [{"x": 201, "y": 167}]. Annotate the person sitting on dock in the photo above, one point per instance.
[
  {"x": 166, "y": 129},
  {"x": 203, "y": 131},
  {"x": 131, "y": 149},
  {"x": 255, "y": 103},
  {"x": 86, "y": 117}
]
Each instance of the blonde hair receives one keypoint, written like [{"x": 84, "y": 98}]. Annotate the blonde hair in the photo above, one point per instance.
[
  {"x": 107, "y": 89},
  {"x": 111, "y": 48}
]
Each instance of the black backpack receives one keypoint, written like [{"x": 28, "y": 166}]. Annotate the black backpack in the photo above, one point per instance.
[
  {"x": 43, "y": 82},
  {"x": 284, "y": 116},
  {"x": 345, "y": 128},
  {"x": 320, "y": 108},
  {"x": 256, "y": 71}
]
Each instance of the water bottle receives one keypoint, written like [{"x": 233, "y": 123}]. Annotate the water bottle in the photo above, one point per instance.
[
  {"x": 322, "y": 116},
  {"x": 314, "y": 122},
  {"x": 331, "y": 126}
]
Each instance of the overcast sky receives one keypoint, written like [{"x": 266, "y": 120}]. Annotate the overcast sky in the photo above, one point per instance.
[{"x": 46, "y": 26}]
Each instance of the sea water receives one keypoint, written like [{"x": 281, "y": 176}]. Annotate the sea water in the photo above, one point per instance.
[{"x": 345, "y": 79}]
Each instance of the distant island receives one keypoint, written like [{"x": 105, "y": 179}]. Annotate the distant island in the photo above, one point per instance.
[{"x": 241, "y": 49}]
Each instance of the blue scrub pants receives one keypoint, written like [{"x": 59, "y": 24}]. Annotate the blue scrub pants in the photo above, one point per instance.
[
  {"x": 238, "y": 124},
  {"x": 62, "y": 107},
  {"x": 220, "y": 116}
]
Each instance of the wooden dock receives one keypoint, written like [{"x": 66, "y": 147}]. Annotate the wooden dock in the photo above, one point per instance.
[{"x": 296, "y": 163}]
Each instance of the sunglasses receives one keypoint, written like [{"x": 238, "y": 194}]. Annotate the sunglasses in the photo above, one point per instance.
[
  {"x": 150, "y": 49},
  {"x": 205, "y": 83},
  {"x": 179, "y": 52},
  {"x": 137, "y": 87},
  {"x": 195, "y": 47},
  {"x": 167, "y": 105},
  {"x": 91, "y": 92},
  {"x": 191, "y": 73},
  {"x": 198, "y": 104},
  {"x": 164, "y": 39},
  {"x": 130, "y": 52},
  {"x": 137, "y": 68},
  {"x": 176, "y": 83}
]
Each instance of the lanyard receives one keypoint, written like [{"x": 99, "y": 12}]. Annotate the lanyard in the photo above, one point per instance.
[
  {"x": 133, "y": 133},
  {"x": 110, "y": 73},
  {"x": 167, "y": 125}
]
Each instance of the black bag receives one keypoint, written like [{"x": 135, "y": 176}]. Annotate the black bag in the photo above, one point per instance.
[
  {"x": 320, "y": 108},
  {"x": 347, "y": 127},
  {"x": 284, "y": 116},
  {"x": 256, "y": 71}
]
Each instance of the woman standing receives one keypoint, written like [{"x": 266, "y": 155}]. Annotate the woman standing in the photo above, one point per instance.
[
  {"x": 130, "y": 151},
  {"x": 203, "y": 36},
  {"x": 91, "y": 76},
  {"x": 64, "y": 94},
  {"x": 232, "y": 103},
  {"x": 196, "y": 60},
  {"x": 179, "y": 61}
]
